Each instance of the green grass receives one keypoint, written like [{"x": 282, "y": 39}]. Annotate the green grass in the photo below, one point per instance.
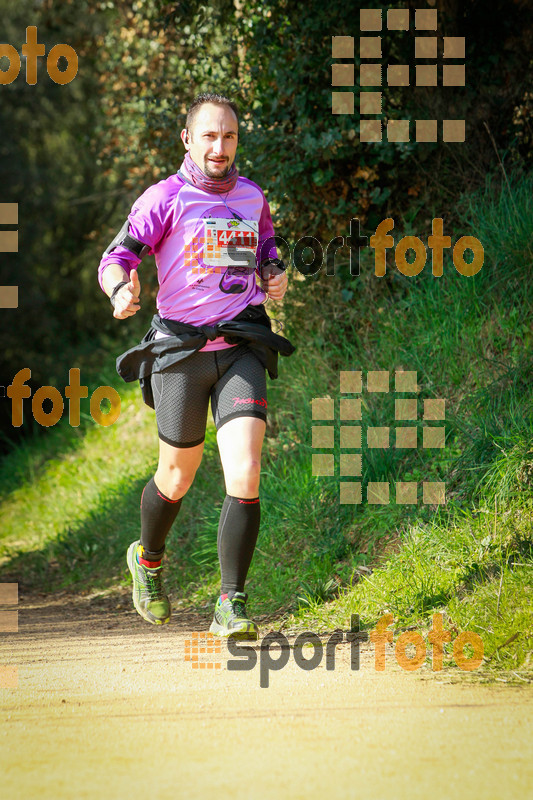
[
  {"x": 70, "y": 499},
  {"x": 476, "y": 569}
]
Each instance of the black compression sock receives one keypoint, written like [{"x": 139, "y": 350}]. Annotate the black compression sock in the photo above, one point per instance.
[
  {"x": 157, "y": 515},
  {"x": 237, "y": 534}
]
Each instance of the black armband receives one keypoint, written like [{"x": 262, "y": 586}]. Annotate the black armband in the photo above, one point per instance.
[
  {"x": 124, "y": 239},
  {"x": 115, "y": 291}
]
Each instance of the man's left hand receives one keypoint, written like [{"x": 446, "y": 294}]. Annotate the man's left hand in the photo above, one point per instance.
[{"x": 276, "y": 286}]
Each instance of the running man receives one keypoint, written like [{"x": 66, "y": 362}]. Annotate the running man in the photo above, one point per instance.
[{"x": 211, "y": 232}]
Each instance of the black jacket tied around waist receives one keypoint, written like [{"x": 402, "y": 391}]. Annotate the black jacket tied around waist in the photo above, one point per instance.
[{"x": 252, "y": 326}]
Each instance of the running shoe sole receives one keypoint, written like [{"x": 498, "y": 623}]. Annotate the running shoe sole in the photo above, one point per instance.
[{"x": 247, "y": 631}]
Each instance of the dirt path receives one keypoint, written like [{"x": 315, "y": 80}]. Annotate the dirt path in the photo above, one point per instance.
[{"x": 108, "y": 707}]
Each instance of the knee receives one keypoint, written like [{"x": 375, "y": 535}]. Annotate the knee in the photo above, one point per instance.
[
  {"x": 243, "y": 481},
  {"x": 174, "y": 482}
]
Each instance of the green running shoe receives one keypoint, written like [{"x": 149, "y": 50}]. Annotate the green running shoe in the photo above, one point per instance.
[
  {"x": 149, "y": 597},
  {"x": 231, "y": 620}
]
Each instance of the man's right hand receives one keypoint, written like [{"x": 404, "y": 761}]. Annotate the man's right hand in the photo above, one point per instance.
[{"x": 127, "y": 298}]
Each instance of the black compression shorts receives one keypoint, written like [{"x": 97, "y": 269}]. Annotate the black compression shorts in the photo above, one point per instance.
[{"x": 234, "y": 379}]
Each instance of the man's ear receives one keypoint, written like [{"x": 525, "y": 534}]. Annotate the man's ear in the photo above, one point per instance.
[{"x": 185, "y": 138}]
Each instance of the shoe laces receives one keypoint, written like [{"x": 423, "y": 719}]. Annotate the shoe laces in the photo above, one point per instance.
[
  {"x": 153, "y": 580},
  {"x": 238, "y": 605}
]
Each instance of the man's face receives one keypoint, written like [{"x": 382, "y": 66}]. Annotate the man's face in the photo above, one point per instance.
[{"x": 213, "y": 140}]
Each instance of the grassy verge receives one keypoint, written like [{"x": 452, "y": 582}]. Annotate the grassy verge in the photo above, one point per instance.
[
  {"x": 70, "y": 500},
  {"x": 469, "y": 339}
]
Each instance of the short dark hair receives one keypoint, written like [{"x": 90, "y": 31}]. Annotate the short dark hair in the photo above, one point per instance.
[{"x": 209, "y": 97}]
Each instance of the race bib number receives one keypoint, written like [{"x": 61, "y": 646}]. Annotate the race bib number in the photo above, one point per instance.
[{"x": 230, "y": 242}]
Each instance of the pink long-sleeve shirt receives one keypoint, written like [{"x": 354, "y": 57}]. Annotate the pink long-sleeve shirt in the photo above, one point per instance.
[{"x": 170, "y": 218}]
